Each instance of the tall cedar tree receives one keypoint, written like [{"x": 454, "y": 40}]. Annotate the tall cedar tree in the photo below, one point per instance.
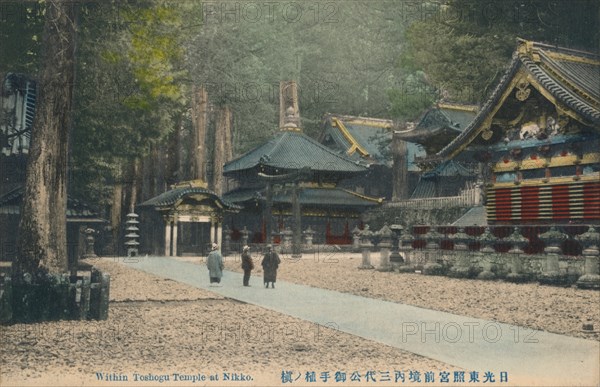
[{"x": 42, "y": 245}]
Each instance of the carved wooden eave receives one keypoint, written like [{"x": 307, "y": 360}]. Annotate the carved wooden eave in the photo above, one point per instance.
[{"x": 567, "y": 85}]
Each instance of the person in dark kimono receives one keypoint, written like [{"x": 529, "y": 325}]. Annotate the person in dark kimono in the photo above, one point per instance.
[
  {"x": 247, "y": 264},
  {"x": 215, "y": 266},
  {"x": 270, "y": 263}
]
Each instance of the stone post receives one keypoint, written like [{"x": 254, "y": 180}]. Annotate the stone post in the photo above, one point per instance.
[
  {"x": 551, "y": 274},
  {"x": 245, "y": 234},
  {"x": 356, "y": 239},
  {"x": 226, "y": 241},
  {"x": 518, "y": 241},
  {"x": 486, "y": 254},
  {"x": 591, "y": 276},
  {"x": 432, "y": 267},
  {"x": 308, "y": 239},
  {"x": 462, "y": 263},
  {"x": 366, "y": 245},
  {"x": 385, "y": 244}
]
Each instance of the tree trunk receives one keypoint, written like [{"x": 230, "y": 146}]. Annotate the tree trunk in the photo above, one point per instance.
[
  {"x": 115, "y": 215},
  {"x": 183, "y": 171},
  {"x": 135, "y": 184},
  {"x": 42, "y": 244},
  {"x": 222, "y": 148},
  {"x": 399, "y": 170},
  {"x": 199, "y": 119}
]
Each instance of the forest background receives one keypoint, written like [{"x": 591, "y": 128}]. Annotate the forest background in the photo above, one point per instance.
[{"x": 139, "y": 66}]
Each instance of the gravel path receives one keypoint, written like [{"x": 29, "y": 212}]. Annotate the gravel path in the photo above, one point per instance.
[
  {"x": 162, "y": 327},
  {"x": 548, "y": 308}
]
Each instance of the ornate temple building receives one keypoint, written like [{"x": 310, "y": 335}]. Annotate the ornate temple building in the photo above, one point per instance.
[
  {"x": 293, "y": 177},
  {"x": 536, "y": 139},
  {"x": 192, "y": 216},
  {"x": 392, "y": 154},
  {"x": 367, "y": 141}
]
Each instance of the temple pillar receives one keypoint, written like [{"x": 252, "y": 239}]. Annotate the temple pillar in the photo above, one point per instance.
[
  {"x": 168, "y": 230},
  {"x": 269, "y": 214},
  {"x": 297, "y": 231},
  {"x": 219, "y": 234},
  {"x": 175, "y": 227}
]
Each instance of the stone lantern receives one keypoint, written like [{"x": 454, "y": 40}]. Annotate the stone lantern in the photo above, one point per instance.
[
  {"x": 395, "y": 256},
  {"x": 462, "y": 265},
  {"x": 89, "y": 243},
  {"x": 591, "y": 277},
  {"x": 132, "y": 234},
  {"x": 385, "y": 243},
  {"x": 552, "y": 239},
  {"x": 356, "y": 239},
  {"x": 309, "y": 234},
  {"x": 487, "y": 240},
  {"x": 518, "y": 242},
  {"x": 365, "y": 246},
  {"x": 433, "y": 238},
  {"x": 245, "y": 233},
  {"x": 286, "y": 240},
  {"x": 405, "y": 247}
]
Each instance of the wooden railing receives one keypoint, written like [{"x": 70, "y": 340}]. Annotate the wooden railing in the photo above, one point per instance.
[{"x": 467, "y": 197}]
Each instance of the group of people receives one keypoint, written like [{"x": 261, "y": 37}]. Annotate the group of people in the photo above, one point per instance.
[{"x": 270, "y": 264}]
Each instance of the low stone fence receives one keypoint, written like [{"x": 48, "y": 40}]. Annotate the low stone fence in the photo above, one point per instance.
[
  {"x": 557, "y": 255},
  {"x": 64, "y": 297}
]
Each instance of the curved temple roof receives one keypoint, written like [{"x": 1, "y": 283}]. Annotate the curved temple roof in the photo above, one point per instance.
[
  {"x": 566, "y": 77},
  {"x": 291, "y": 150},
  {"x": 169, "y": 198}
]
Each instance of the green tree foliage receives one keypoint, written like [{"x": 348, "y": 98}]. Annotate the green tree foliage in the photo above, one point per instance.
[
  {"x": 130, "y": 91},
  {"x": 463, "y": 45},
  {"x": 21, "y": 25},
  {"x": 341, "y": 54}
]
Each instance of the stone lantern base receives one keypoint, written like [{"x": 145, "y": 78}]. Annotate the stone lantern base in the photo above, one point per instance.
[{"x": 589, "y": 281}]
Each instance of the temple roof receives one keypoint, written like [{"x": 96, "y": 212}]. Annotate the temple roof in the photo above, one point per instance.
[
  {"x": 77, "y": 211},
  {"x": 567, "y": 78},
  {"x": 312, "y": 196},
  {"x": 290, "y": 151},
  {"x": 177, "y": 194},
  {"x": 456, "y": 174},
  {"x": 439, "y": 125},
  {"x": 363, "y": 139}
]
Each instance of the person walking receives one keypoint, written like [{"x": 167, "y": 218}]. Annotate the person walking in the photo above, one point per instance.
[
  {"x": 215, "y": 266},
  {"x": 270, "y": 263},
  {"x": 247, "y": 264}
]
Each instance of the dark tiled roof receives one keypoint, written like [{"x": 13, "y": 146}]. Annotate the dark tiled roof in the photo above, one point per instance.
[
  {"x": 374, "y": 139},
  {"x": 449, "y": 168},
  {"x": 455, "y": 172},
  {"x": 572, "y": 77},
  {"x": 439, "y": 126},
  {"x": 290, "y": 150},
  {"x": 324, "y": 197},
  {"x": 10, "y": 203},
  {"x": 168, "y": 198},
  {"x": 327, "y": 197},
  {"x": 241, "y": 195}
]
